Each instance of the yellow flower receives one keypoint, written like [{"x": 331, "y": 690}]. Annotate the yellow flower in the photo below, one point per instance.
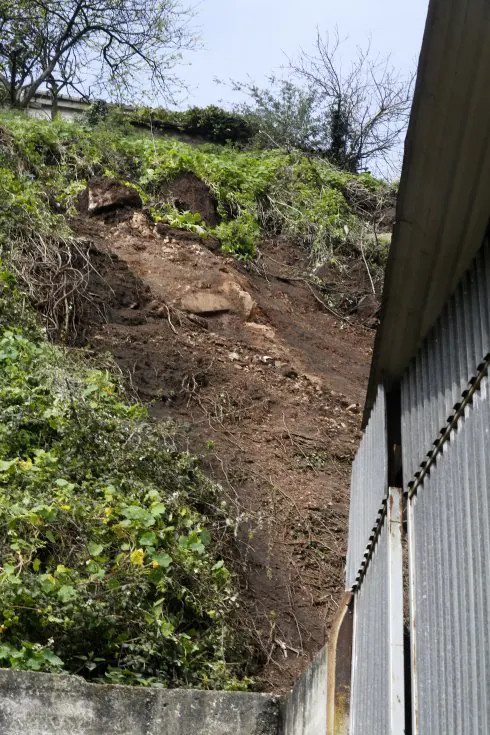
[
  {"x": 155, "y": 564},
  {"x": 137, "y": 557},
  {"x": 107, "y": 513},
  {"x": 65, "y": 507}
]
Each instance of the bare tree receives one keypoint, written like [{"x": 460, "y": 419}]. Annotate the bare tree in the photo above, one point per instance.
[
  {"x": 283, "y": 114},
  {"x": 365, "y": 108},
  {"x": 79, "y": 45}
]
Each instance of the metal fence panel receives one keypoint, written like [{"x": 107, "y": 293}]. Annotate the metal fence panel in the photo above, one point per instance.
[
  {"x": 448, "y": 359},
  {"x": 377, "y": 689},
  {"x": 369, "y": 487},
  {"x": 370, "y": 693},
  {"x": 449, "y": 526}
]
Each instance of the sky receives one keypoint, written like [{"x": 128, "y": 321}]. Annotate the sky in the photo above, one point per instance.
[{"x": 251, "y": 38}]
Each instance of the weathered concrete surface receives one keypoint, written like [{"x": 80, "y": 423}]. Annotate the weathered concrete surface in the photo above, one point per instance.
[
  {"x": 46, "y": 704},
  {"x": 304, "y": 712}
]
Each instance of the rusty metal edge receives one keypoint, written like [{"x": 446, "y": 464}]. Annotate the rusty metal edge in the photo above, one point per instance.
[
  {"x": 339, "y": 648},
  {"x": 446, "y": 433}
]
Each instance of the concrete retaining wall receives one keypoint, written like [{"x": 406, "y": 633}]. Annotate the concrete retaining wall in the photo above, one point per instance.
[
  {"x": 45, "y": 704},
  {"x": 304, "y": 712}
]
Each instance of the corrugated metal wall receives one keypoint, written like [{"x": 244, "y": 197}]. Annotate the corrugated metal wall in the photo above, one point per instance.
[
  {"x": 369, "y": 488},
  {"x": 450, "y": 566},
  {"x": 370, "y": 693},
  {"x": 444, "y": 396},
  {"x": 377, "y": 686},
  {"x": 445, "y": 420},
  {"x": 440, "y": 374}
]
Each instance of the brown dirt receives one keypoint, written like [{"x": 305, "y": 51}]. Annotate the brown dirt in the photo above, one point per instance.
[
  {"x": 188, "y": 193},
  {"x": 277, "y": 394}
]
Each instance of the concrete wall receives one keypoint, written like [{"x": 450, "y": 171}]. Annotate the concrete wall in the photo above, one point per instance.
[
  {"x": 45, "y": 704},
  {"x": 304, "y": 712}
]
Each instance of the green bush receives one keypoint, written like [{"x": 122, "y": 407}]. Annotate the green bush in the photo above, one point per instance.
[
  {"x": 258, "y": 193},
  {"x": 238, "y": 236},
  {"x": 111, "y": 566},
  {"x": 211, "y": 123}
]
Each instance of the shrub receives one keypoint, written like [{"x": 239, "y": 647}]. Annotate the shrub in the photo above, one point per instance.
[
  {"x": 239, "y": 236},
  {"x": 111, "y": 566},
  {"x": 211, "y": 123},
  {"x": 267, "y": 192}
]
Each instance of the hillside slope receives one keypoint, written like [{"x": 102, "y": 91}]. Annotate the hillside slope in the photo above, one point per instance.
[
  {"x": 236, "y": 291},
  {"x": 269, "y": 399}
]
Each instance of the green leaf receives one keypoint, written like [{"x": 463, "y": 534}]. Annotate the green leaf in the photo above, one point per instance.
[
  {"x": 52, "y": 658},
  {"x": 205, "y": 537},
  {"x": 94, "y": 549},
  {"x": 158, "y": 509},
  {"x": 6, "y": 465},
  {"x": 66, "y": 593},
  {"x": 36, "y": 565},
  {"x": 163, "y": 560},
  {"x": 166, "y": 628},
  {"x": 5, "y": 652},
  {"x": 148, "y": 539}
]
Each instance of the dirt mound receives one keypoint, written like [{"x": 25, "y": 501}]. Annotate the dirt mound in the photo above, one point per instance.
[
  {"x": 189, "y": 194},
  {"x": 270, "y": 399}
]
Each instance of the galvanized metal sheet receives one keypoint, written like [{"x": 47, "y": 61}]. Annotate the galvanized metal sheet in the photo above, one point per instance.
[
  {"x": 377, "y": 688},
  {"x": 449, "y": 525},
  {"x": 369, "y": 487},
  {"x": 370, "y": 693},
  {"x": 448, "y": 360}
]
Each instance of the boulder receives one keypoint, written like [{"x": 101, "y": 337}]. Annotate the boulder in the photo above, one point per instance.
[
  {"x": 242, "y": 302},
  {"x": 205, "y": 302},
  {"x": 105, "y": 195},
  {"x": 227, "y": 296},
  {"x": 189, "y": 194}
]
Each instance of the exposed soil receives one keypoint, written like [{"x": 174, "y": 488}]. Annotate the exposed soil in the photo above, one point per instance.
[{"x": 269, "y": 390}]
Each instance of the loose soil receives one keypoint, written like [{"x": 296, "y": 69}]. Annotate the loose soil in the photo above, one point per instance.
[{"x": 268, "y": 392}]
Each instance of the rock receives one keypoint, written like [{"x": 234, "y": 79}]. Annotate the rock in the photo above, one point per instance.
[
  {"x": 205, "y": 302},
  {"x": 233, "y": 356},
  {"x": 242, "y": 302},
  {"x": 189, "y": 194},
  {"x": 105, "y": 195},
  {"x": 140, "y": 223},
  {"x": 368, "y": 306},
  {"x": 290, "y": 372},
  {"x": 247, "y": 304}
]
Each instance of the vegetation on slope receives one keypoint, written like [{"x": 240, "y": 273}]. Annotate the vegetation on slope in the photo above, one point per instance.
[
  {"x": 109, "y": 537},
  {"x": 258, "y": 193}
]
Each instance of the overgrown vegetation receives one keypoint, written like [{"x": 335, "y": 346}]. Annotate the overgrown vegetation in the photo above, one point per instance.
[
  {"x": 211, "y": 123},
  {"x": 110, "y": 539},
  {"x": 258, "y": 193}
]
